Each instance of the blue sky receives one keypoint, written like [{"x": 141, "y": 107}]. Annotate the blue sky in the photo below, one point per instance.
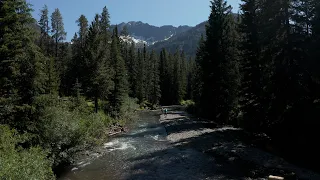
[{"x": 154, "y": 12}]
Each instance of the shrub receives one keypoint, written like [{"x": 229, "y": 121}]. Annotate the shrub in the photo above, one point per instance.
[
  {"x": 94, "y": 128},
  {"x": 128, "y": 109},
  {"x": 19, "y": 163},
  {"x": 190, "y": 106},
  {"x": 187, "y": 103},
  {"x": 68, "y": 125},
  {"x": 60, "y": 133}
]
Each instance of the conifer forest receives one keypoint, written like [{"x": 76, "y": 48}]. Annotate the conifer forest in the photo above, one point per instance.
[{"x": 257, "y": 70}]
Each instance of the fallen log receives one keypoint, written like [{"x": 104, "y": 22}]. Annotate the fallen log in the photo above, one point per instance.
[{"x": 275, "y": 178}]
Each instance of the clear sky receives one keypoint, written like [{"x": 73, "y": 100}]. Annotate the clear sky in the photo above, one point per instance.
[{"x": 154, "y": 12}]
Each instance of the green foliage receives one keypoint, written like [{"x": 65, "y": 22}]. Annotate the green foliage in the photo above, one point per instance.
[
  {"x": 218, "y": 64},
  {"x": 128, "y": 109},
  {"x": 19, "y": 163},
  {"x": 57, "y": 29},
  {"x": 120, "y": 91},
  {"x": 44, "y": 42},
  {"x": 187, "y": 103},
  {"x": 141, "y": 76},
  {"x": 98, "y": 81},
  {"x": 154, "y": 91},
  {"x": 66, "y": 126}
]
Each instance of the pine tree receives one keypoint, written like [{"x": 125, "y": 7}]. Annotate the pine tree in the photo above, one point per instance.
[
  {"x": 252, "y": 103},
  {"x": 21, "y": 65},
  {"x": 124, "y": 31},
  {"x": 57, "y": 29},
  {"x": 133, "y": 70},
  {"x": 120, "y": 91},
  {"x": 58, "y": 34},
  {"x": 183, "y": 76},
  {"x": 155, "y": 91},
  {"x": 53, "y": 81},
  {"x": 45, "y": 30},
  {"x": 191, "y": 72},
  {"x": 140, "y": 78},
  {"x": 83, "y": 30},
  {"x": 98, "y": 79},
  {"x": 177, "y": 79},
  {"x": 172, "y": 84},
  {"x": 76, "y": 69},
  {"x": 219, "y": 65},
  {"x": 197, "y": 77},
  {"x": 105, "y": 33},
  {"x": 148, "y": 73}
]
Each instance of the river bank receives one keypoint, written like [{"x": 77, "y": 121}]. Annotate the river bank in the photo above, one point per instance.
[
  {"x": 230, "y": 147},
  {"x": 179, "y": 146}
]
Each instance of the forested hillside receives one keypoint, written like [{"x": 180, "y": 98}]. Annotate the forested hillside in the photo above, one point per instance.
[
  {"x": 186, "y": 41},
  {"x": 258, "y": 71},
  {"x": 149, "y": 33},
  {"x": 60, "y": 98},
  {"x": 261, "y": 73}
]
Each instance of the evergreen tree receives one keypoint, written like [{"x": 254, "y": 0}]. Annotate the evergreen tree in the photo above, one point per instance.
[
  {"x": 52, "y": 81},
  {"x": 21, "y": 65},
  {"x": 140, "y": 78},
  {"x": 105, "y": 33},
  {"x": 76, "y": 69},
  {"x": 45, "y": 30},
  {"x": 172, "y": 78},
  {"x": 190, "y": 78},
  {"x": 183, "y": 76},
  {"x": 98, "y": 79},
  {"x": 219, "y": 66},
  {"x": 57, "y": 29},
  {"x": 148, "y": 74},
  {"x": 58, "y": 34},
  {"x": 133, "y": 70},
  {"x": 197, "y": 77},
  {"x": 120, "y": 91},
  {"x": 124, "y": 31},
  {"x": 252, "y": 103},
  {"x": 177, "y": 79},
  {"x": 155, "y": 91},
  {"x": 83, "y": 30}
]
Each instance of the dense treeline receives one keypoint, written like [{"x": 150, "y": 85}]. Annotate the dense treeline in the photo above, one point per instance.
[
  {"x": 58, "y": 98},
  {"x": 260, "y": 71}
]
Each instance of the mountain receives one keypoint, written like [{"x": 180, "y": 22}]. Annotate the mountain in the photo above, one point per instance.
[
  {"x": 140, "y": 31},
  {"x": 187, "y": 41}
]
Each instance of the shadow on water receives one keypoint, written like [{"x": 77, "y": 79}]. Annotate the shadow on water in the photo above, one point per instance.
[
  {"x": 208, "y": 156},
  {"x": 145, "y": 153}
]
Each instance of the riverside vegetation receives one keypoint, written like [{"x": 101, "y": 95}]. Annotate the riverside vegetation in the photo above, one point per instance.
[{"x": 258, "y": 70}]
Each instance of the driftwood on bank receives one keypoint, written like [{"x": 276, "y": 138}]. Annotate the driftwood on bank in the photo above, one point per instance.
[
  {"x": 117, "y": 130},
  {"x": 275, "y": 178}
]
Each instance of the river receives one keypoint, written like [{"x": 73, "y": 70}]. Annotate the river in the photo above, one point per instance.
[
  {"x": 193, "y": 149},
  {"x": 142, "y": 153}
]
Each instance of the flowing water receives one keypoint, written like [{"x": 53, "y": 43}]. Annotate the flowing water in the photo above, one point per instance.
[
  {"x": 143, "y": 153},
  {"x": 146, "y": 135},
  {"x": 146, "y": 152}
]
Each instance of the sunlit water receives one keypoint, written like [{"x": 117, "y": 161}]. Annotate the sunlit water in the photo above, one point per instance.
[{"x": 117, "y": 157}]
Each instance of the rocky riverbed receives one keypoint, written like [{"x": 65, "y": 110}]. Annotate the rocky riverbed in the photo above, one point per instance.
[
  {"x": 230, "y": 148},
  {"x": 179, "y": 146}
]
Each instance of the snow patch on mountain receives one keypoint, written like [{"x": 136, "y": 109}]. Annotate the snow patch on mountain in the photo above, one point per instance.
[
  {"x": 168, "y": 37},
  {"x": 130, "y": 39},
  {"x": 140, "y": 41}
]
